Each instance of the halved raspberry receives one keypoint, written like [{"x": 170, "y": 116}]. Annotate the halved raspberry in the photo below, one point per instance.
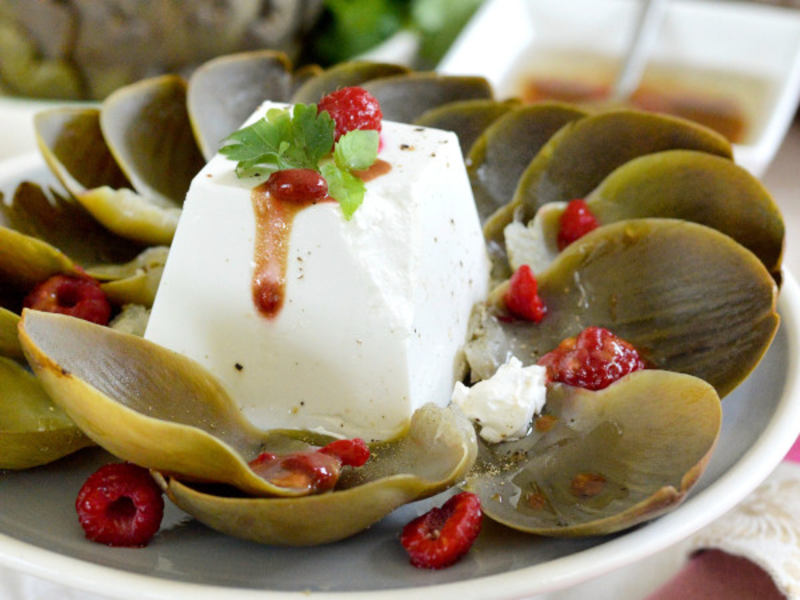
[
  {"x": 576, "y": 221},
  {"x": 352, "y": 453},
  {"x": 352, "y": 108},
  {"x": 75, "y": 295},
  {"x": 443, "y": 535},
  {"x": 594, "y": 359},
  {"x": 120, "y": 505},
  {"x": 522, "y": 297}
]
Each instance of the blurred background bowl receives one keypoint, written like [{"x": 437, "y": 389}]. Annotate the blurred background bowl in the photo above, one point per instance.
[{"x": 733, "y": 65}]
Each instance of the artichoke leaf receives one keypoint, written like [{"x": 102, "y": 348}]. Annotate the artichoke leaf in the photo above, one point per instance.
[
  {"x": 678, "y": 184},
  {"x": 26, "y": 261},
  {"x": 148, "y": 131},
  {"x": 9, "y": 341},
  {"x": 65, "y": 224},
  {"x": 131, "y": 319},
  {"x": 580, "y": 155},
  {"x": 215, "y": 111},
  {"x": 33, "y": 430},
  {"x": 137, "y": 289},
  {"x": 437, "y": 451},
  {"x": 131, "y": 215},
  {"x": 148, "y": 259},
  {"x": 302, "y": 75},
  {"x": 498, "y": 158},
  {"x": 134, "y": 282},
  {"x": 608, "y": 460},
  {"x": 405, "y": 98},
  {"x": 698, "y": 187},
  {"x": 72, "y": 144},
  {"x": 468, "y": 119},
  {"x": 688, "y": 297},
  {"x": 346, "y": 74}
]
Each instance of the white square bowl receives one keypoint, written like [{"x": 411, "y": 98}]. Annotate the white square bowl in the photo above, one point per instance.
[{"x": 749, "y": 51}]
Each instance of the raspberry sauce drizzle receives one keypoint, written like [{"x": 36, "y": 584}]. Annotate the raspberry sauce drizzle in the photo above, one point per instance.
[
  {"x": 274, "y": 218},
  {"x": 378, "y": 168}
]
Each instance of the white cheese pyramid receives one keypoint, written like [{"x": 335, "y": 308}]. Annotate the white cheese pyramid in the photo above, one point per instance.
[{"x": 376, "y": 308}]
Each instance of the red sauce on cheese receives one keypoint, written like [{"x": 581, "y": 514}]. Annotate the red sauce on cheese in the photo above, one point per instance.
[{"x": 275, "y": 205}]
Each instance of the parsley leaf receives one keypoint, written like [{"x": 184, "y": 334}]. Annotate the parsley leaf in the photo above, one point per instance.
[
  {"x": 301, "y": 139},
  {"x": 281, "y": 140},
  {"x": 313, "y": 132},
  {"x": 344, "y": 187},
  {"x": 356, "y": 150}
]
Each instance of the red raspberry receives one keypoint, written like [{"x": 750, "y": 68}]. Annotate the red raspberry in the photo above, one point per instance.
[
  {"x": 120, "y": 505},
  {"x": 351, "y": 453},
  {"x": 73, "y": 295},
  {"x": 576, "y": 221},
  {"x": 522, "y": 297},
  {"x": 297, "y": 185},
  {"x": 352, "y": 108},
  {"x": 594, "y": 359},
  {"x": 443, "y": 535}
]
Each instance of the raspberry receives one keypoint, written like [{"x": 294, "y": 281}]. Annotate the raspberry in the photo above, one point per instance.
[
  {"x": 522, "y": 297},
  {"x": 594, "y": 359},
  {"x": 297, "y": 185},
  {"x": 352, "y": 108},
  {"x": 443, "y": 535},
  {"x": 120, "y": 505},
  {"x": 73, "y": 295},
  {"x": 576, "y": 221}
]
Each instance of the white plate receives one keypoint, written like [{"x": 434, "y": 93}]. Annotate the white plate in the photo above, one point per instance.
[
  {"x": 40, "y": 535},
  {"x": 750, "y": 51}
]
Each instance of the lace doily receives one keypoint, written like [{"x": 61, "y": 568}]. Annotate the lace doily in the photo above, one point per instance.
[{"x": 764, "y": 528}]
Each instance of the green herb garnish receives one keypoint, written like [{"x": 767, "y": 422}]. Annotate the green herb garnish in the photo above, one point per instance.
[{"x": 303, "y": 139}]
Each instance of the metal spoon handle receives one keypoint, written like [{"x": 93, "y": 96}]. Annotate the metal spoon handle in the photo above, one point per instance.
[{"x": 644, "y": 36}]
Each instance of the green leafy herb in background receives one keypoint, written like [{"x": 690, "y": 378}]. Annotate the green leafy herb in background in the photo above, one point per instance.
[
  {"x": 351, "y": 27},
  {"x": 302, "y": 139}
]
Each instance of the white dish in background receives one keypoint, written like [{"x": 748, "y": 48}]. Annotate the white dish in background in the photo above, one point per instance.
[
  {"x": 40, "y": 535},
  {"x": 746, "y": 50},
  {"x": 16, "y": 122}
]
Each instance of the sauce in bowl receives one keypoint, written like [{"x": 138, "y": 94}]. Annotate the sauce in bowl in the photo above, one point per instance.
[{"x": 722, "y": 101}]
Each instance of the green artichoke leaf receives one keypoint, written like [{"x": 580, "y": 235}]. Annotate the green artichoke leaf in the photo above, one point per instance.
[
  {"x": 33, "y": 430},
  {"x": 223, "y": 92},
  {"x": 602, "y": 461},
  {"x": 405, "y": 98},
  {"x": 148, "y": 131},
  {"x": 468, "y": 119}
]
